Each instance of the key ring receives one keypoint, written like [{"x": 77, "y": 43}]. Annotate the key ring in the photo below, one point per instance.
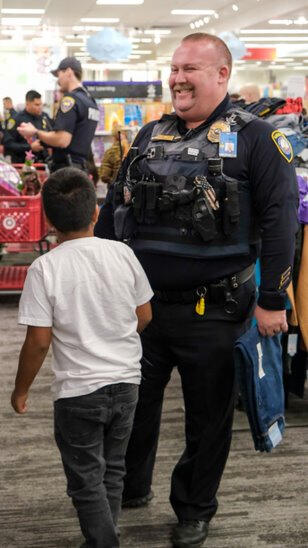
[{"x": 201, "y": 291}]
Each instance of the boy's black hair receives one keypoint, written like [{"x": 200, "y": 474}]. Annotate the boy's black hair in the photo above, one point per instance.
[
  {"x": 31, "y": 95},
  {"x": 69, "y": 199}
]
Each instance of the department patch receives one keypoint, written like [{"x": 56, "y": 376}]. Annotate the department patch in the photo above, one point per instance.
[
  {"x": 10, "y": 123},
  {"x": 283, "y": 145},
  {"x": 67, "y": 103}
]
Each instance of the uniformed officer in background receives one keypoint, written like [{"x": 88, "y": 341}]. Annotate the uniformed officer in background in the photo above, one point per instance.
[
  {"x": 75, "y": 122},
  {"x": 15, "y": 145},
  {"x": 199, "y": 192},
  {"x": 9, "y": 112}
]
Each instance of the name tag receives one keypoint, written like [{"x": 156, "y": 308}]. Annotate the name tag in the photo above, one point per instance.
[
  {"x": 93, "y": 114},
  {"x": 228, "y": 144}
]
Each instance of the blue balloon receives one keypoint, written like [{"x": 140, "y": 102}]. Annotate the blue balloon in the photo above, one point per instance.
[
  {"x": 235, "y": 45},
  {"x": 108, "y": 45}
]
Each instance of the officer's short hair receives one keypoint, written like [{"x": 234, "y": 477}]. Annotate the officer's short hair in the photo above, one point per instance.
[
  {"x": 69, "y": 199},
  {"x": 31, "y": 95},
  {"x": 78, "y": 75},
  {"x": 221, "y": 46},
  {"x": 7, "y": 99}
]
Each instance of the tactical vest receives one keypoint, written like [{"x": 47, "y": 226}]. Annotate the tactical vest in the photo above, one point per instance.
[{"x": 171, "y": 216}]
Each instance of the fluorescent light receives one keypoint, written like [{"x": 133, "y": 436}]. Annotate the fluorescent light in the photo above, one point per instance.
[
  {"x": 14, "y": 11},
  {"x": 300, "y": 68},
  {"x": 24, "y": 32},
  {"x": 134, "y": 56},
  {"x": 157, "y": 31},
  {"x": 76, "y": 36},
  {"x": 192, "y": 12},
  {"x": 235, "y": 7},
  {"x": 274, "y": 31},
  {"x": 118, "y": 2},
  {"x": 71, "y": 44},
  {"x": 78, "y": 28},
  {"x": 99, "y": 19},
  {"x": 275, "y": 38},
  {"x": 20, "y": 21},
  {"x": 144, "y": 51},
  {"x": 280, "y": 21},
  {"x": 301, "y": 21}
]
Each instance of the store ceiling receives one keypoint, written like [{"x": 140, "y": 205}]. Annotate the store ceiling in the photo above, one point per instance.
[{"x": 156, "y": 14}]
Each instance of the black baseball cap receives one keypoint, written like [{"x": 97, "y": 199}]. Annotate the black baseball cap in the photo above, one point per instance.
[{"x": 68, "y": 62}]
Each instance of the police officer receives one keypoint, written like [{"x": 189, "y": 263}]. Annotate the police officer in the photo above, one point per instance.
[
  {"x": 15, "y": 144},
  {"x": 9, "y": 112},
  {"x": 75, "y": 122},
  {"x": 199, "y": 192}
]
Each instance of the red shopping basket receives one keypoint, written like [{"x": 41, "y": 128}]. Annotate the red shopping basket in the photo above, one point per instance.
[
  {"x": 12, "y": 278},
  {"x": 22, "y": 219}
]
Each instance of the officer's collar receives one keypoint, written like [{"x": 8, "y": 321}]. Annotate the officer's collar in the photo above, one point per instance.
[{"x": 181, "y": 124}]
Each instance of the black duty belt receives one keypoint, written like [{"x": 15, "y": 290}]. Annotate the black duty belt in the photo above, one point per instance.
[{"x": 215, "y": 290}]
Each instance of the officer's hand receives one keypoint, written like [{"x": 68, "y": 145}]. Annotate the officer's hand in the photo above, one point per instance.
[
  {"x": 271, "y": 322},
  {"x": 36, "y": 146},
  {"x": 26, "y": 129},
  {"x": 18, "y": 402}
]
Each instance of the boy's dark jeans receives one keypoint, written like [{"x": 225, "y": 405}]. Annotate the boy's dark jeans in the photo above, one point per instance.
[{"x": 92, "y": 433}]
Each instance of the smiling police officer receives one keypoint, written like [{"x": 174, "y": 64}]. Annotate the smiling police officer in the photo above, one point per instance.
[
  {"x": 199, "y": 192},
  {"x": 75, "y": 122}
]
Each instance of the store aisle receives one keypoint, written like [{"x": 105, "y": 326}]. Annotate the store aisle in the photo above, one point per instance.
[{"x": 263, "y": 498}]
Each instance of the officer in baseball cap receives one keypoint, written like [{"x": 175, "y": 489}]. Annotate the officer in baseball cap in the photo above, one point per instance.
[{"x": 76, "y": 120}]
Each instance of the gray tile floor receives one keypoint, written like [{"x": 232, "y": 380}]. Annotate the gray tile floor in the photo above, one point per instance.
[{"x": 263, "y": 497}]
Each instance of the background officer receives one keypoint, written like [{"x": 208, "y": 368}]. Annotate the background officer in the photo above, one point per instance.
[
  {"x": 75, "y": 122},
  {"x": 15, "y": 144},
  {"x": 198, "y": 246},
  {"x": 9, "y": 112}
]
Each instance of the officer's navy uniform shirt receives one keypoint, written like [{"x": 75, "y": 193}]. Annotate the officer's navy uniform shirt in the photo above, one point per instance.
[
  {"x": 16, "y": 146},
  {"x": 272, "y": 179},
  {"x": 76, "y": 115}
]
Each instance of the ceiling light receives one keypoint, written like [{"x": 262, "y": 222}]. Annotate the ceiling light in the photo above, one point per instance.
[
  {"x": 275, "y": 38},
  {"x": 118, "y": 2},
  {"x": 146, "y": 40},
  {"x": 157, "y": 31},
  {"x": 280, "y": 21},
  {"x": 285, "y": 59},
  {"x": 78, "y": 28},
  {"x": 192, "y": 25},
  {"x": 14, "y": 11},
  {"x": 192, "y": 12},
  {"x": 76, "y": 36},
  {"x": 20, "y": 21},
  {"x": 100, "y": 20},
  {"x": 235, "y": 7},
  {"x": 206, "y": 19},
  {"x": 201, "y": 23},
  {"x": 134, "y": 56},
  {"x": 216, "y": 15},
  {"x": 273, "y": 31},
  {"x": 144, "y": 51},
  {"x": 72, "y": 44},
  {"x": 157, "y": 40},
  {"x": 24, "y": 32},
  {"x": 301, "y": 21},
  {"x": 299, "y": 68}
]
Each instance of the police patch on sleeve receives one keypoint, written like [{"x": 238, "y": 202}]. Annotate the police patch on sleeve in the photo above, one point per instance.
[
  {"x": 283, "y": 145},
  {"x": 67, "y": 103},
  {"x": 10, "y": 123}
]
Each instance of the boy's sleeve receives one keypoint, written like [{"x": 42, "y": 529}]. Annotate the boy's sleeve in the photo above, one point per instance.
[
  {"x": 143, "y": 289},
  {"x": 35, "y": 308}
]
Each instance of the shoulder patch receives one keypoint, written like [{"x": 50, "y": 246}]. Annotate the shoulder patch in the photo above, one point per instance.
[
  {"x": 283, "y": 145},
  {"x": 10, "y": 123},
  {"x": 67, "y": 103}
]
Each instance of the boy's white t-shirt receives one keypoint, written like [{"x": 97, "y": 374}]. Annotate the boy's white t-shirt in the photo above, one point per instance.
[{"x": 87, "y": 290}]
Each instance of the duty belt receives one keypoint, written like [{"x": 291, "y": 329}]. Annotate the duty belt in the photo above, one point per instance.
[{"x": 215, "y": 290}]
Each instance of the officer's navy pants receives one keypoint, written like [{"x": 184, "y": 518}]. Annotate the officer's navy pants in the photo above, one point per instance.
[{"x": 201, "y": 348}]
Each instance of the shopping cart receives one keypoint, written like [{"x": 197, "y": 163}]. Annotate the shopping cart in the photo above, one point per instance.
[{"x": 23, "y": 229}]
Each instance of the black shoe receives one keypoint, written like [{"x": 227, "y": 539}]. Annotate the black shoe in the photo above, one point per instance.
[
  {"x": 190, "y": 533},
  {"x": 138, "y": 501}
]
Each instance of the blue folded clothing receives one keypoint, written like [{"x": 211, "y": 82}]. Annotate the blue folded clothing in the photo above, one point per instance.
[{"x": 258, "y": 367}]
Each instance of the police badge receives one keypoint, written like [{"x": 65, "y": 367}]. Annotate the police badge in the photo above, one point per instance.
[{"x": 215, "y": 129}]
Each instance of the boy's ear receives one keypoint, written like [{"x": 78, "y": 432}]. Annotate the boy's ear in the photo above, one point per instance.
[{"x": 95, "y": 214}]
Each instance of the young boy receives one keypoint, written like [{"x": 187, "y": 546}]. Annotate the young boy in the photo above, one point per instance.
[{"x": 90, "y": 298}]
